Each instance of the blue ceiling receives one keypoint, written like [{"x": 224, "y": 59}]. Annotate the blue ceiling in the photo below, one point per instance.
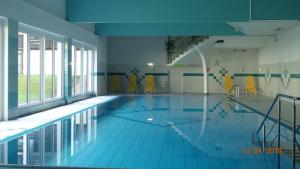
[{"x": 177, "y": 17}]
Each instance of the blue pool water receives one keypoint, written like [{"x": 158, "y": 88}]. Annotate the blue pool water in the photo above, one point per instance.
[{"x": 151, "y": 132}]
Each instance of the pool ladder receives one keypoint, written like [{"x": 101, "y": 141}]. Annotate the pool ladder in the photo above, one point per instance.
[{"x": 278, "y": 121}]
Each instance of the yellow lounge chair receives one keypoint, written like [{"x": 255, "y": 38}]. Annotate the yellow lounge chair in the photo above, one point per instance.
[
  {"x": 149, "y": 87},
  {"x": 228, "y": 84},
  {"x": 250, "y": 85},
  {"x": 115, "y": 83},
  {"x": 132, "y": 84}
]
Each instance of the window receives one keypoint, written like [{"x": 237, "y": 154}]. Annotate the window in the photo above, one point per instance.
[
  {"x": 35, "y": 69},
  {"x": 90, "y": 70},
  {"x": 22, "y": 68},
  {"x": 39, "y": 67},
  {"x": 82, "y": 69},
  {"x": 1, "y": 68},
  {"x": 53, "y": 69}
]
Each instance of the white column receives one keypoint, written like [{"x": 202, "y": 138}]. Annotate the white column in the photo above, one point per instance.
[
  {"x": 205, "y": 74},
  {"x": 1, "y": 70}
]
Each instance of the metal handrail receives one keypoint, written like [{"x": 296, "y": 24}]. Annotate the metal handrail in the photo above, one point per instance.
[
  {"x": 177, "y": 46},
  {"x": 278, "y": 136},
  {"x": 272, "y": 106}
]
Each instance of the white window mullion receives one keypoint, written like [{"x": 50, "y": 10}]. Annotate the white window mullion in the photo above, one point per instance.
[
  {"x": 81, "y": 70},
  {"x": 28, "y": 69},
  {"x": 1, "y": 71},
  {"x": 94, "y": 63},
  {"x": 42, "y": 69},
  {"x": 53, "y": 68},
  {"x": 74, "y": 67},
  {"x": 87, "y": 71},
  {"x": 62, "y": 65}
]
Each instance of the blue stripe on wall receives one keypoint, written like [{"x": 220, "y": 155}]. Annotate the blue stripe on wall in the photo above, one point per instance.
[
  {"x": 157, "y": 74},
  {"x": 100, "y": 74},
  {"x": 192, "y": 74},
  {"x": 295, "y": 76},
  {"x": 116, "y": 73},
  {"x": 248, "y": 74},
  {"x": 275, "y": 75}
]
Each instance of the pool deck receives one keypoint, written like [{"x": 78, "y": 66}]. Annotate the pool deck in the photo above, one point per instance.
[
  {"x": 262, "y": 104},
  {"x": 11, "y": 129}
]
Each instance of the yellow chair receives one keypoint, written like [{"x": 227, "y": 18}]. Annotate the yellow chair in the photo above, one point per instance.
[
  {"x": 250, "y": 85},
  {"x": 228, "y": 84},
  {"x": 115, "y": 83},
  {"x": 149, "y": 87},
  {"x": 132, "y": 84}
]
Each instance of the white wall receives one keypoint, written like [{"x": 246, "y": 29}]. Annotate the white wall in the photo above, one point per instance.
[
  {"x": 137, "y": 50},
  {"x": 55, "y": 7},
  {"x": 278, "y": 56},
  {"x": 87, "y": 26},
  {"x": 1, "y": 70},
  {"x": 127, "y": 53},
  {"x": 102, "y": 66},
  {"x": 58, "y": 8},
  {"x": 27, "y": 13}
]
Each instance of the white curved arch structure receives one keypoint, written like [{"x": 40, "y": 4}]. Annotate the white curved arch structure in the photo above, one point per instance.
[{"x": 205, "y": 74}]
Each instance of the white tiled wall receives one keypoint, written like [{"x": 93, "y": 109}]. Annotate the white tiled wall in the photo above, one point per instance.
[
  {"x": 125, "y": 53},
  {"x": 280, "y": 55},
  {"x": 229, "y": 60}
]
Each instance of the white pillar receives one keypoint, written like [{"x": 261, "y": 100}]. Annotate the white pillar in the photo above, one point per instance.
[{"x": 205, "y": 74}]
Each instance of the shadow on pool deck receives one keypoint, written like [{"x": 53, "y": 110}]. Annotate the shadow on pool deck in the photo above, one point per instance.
[{"x": 262, "y": 104}]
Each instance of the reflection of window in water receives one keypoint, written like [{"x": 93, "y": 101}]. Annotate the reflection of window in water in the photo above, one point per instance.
[
  {"x": 2, "y": 153},
  {"x": 34, "y": 149},
  {"x": 51, "y": 145}
]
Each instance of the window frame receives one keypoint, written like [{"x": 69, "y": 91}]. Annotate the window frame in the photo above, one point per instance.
[
  {"x": 53, "y": 69},
  {"x": 2, "y": 67},
  {"x": 84, "y": 46},
  {"x": 42, "y": 35}
]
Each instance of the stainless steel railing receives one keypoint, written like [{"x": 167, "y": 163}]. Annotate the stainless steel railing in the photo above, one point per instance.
[
  {"x": 294, "y": 127},
  {"x": 178, "y": 45}
]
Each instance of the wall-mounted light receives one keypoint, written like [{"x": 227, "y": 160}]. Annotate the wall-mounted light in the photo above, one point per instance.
[{"x": 150, "y": 64}]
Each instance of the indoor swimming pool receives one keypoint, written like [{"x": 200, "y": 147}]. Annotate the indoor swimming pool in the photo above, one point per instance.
[{"x": 151, "y": 132}]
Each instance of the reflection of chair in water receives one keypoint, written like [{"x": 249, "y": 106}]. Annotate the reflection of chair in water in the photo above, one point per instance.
[
  {"x": 228, "y": 84},
  {"x": 250, "y": 85},
  {"x": 132, "y": 84},
  {"x": 149, "y": 87},
  {"x": 115, "y": 83}
]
